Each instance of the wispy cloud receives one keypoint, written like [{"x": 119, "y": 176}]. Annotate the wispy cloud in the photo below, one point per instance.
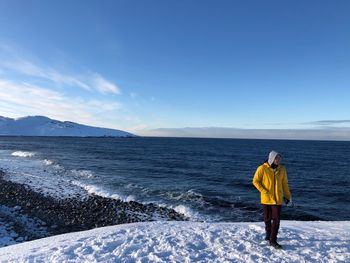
[
  {"x": 283, "y": 134},
  {"x": 88, "y": 81},
  {"x": 328, "y": 122},
  {"x": 104, "y": 86},
  {"x": 21, "y": 99}
]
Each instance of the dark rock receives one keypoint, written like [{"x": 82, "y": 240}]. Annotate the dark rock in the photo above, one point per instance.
[{"x": 73, "y": 214}]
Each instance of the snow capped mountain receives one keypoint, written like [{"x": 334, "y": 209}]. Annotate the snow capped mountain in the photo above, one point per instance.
[{"x": 44, "y": 126}]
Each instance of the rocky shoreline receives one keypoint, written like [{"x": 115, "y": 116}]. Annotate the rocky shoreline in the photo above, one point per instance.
[{"x": 53, "y": 216}]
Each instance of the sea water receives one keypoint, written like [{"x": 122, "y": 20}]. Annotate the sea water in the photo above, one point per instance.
[{"x": 206, "y": 179}]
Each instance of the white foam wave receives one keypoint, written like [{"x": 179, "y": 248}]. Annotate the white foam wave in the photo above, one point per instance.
[
  {"x": 186, "y": 211},
  {"x": 95, "y": 190},
  {"x": 182, "y": 209},
  {"x": 188, "y": 195},
  {"x": 38, "y": 176},
  {"x": 83, "y": 173},
  {"x": 23, "y": 154},
  {"x": 58, "y": 167},
  {"x": 191, "y": 214},
  {"x": 48, "y": 162},
  {"x": 137, "y": 188}
]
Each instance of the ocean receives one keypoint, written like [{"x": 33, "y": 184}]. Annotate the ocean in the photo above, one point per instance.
[{"x": 206, "y": 179}]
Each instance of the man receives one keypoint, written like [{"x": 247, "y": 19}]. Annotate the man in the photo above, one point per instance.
[{"x": 271, "y": 180}]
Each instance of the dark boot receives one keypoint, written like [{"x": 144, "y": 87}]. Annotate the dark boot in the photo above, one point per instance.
[{"x": 275, "y": 245}]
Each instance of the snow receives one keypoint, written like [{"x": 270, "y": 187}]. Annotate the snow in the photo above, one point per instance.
[
  {"x": 16, "y": 227},
  {"x": 43, "y": 126},
  {"x": 190, "y": 242}
]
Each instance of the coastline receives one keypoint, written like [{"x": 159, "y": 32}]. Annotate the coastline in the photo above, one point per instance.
[{"x": 52, "y": 216}]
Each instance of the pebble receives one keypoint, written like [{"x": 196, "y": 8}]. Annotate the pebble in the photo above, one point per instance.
[{"x": 73, "y": 214}]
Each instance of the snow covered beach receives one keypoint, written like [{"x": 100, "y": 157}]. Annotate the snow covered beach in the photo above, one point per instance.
[
  {"x": 157, "y": 241},
  {"x": 42, "y": 195},
  {"x": 189, "y": 242},
  {"x": 26, "y": 214}
]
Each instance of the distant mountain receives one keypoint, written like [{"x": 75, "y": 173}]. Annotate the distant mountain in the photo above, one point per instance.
[{"x": 43, "y": 126}]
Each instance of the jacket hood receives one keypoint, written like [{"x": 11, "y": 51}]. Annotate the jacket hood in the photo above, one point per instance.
[{"x": 272, "y": 156}]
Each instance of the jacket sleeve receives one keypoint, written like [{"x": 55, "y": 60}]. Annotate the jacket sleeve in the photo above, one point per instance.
[
  {"x": 285, "y": 186},
  {"x": 258, "y": 179}
]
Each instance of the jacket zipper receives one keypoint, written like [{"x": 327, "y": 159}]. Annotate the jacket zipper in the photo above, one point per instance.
[{"x": 274, "y": 185}]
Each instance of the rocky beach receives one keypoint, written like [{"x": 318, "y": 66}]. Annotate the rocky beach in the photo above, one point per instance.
[{"x": 27, "y": 215}]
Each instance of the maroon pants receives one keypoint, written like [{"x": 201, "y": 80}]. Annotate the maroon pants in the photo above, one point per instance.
[{"x": 272, "y": 214}]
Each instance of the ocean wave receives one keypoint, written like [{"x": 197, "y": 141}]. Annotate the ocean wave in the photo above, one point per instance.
[
  {"x": 83, "y": 173},
  {"x": 190, "y": 195},
  {"x": 188, "y": 212},
  {"x": 95, "y": 190},
  {"x": 138, "y": 188},
  {"x": 180, "y": 208},
  {"x": 48, "y": 162},
  {"x": 23, "y": 154}
]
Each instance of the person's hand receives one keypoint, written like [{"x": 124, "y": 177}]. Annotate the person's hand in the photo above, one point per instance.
[{"x": 289, "y": 202}]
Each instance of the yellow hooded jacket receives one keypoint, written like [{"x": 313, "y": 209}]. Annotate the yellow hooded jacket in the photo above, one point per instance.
[{"x": 272, "y": 184}]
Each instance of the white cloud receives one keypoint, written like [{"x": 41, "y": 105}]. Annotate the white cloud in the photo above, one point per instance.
[
  {"x": 325, "y": 123},
  {"x": 104, "y": 86},
  {"x": 283, "y": 134},
  {"x": 20, "y": 99},
  {"x": 87, "y": 81},
  {"x": 27, "y": 68}
]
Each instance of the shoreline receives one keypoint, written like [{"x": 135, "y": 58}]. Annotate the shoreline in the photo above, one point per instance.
[{"x": 53, "y": 216}]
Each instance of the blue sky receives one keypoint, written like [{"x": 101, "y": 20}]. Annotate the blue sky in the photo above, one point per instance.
[{"x": 142, "y": 65}]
